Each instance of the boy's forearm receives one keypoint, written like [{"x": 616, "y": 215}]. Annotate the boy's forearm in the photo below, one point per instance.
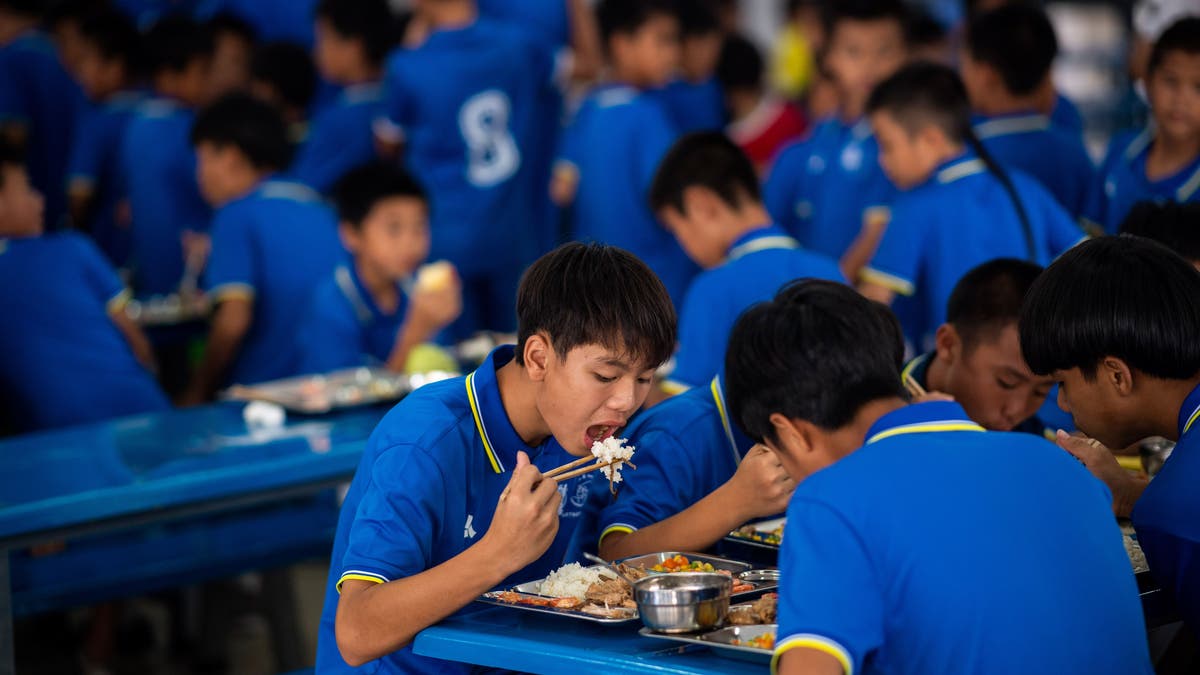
[
  {"x": 229, "y": 327},
  {"x": 137, "y": 340},
  {"x": 693, "y": 529},
  {"x": 585, "y": 41}
]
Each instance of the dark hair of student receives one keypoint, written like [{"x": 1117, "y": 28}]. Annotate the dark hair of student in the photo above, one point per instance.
[
  {"x": 819, "y": 351},
  {"x": 1181, "y": 36},
  {"x": 115, "y": 37},
  {"x": 1174, "y": 225},
  {"x": 1124, "y": 297},
  {"x": 628, "y": 16},
  {"x": 174, "y": 42},
  {"x": 697, "y": 18},
  {"x": 12, "y": 155},
  {"x": 288, "y": 68},
  {"x": 705, "y": 159},
  {"x": 254, "y": 127},
  {"x": 971, "y": 8},
  {"x": 66, "y": 11},
  {"x": 922, "y": 29},
  {"x": 370, "y": 21},
  {"x": 837, "y": 11},
  {"x": 358, "y": 191},
  {"x": 739, "y": 66},
  {"x": 988, "y": 298},
  {"x": 1018, "y": 42},
  {"x": 225, "y": 23},
  {"x": 581, "y": 294},
  {"x": 922, "y": 94}
]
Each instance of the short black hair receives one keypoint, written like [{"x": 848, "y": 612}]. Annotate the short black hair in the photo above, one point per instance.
[
  {"x": 581, "y": 294},
  {"x": 370, "y": 21},
  {"x": 254, "y": 127},
  {"x": 819, "y": 351},
  {"x": 922, "y": 29},
  {"x": 227, "y": 23},
  {"x": 361, "y": 188},
  {"x": 1018, "y": 42},
  {"x": 66, "y": 11},
  {"x": 740, "y": 65},
  {"x": 989, "y": 297},
  {"x": 174, "y": 42},
  {"x": 628, "y": 16},
  {"x": 698, "y": 17},
  {"x": 115, "y": 37},
  {"x": 1125, "y": 297},
  {"x": 288, "y": 68},
  {"x": 11, "y": 155},
  {"x": 1181, "y": 36},
  {"x": 1174, "y": 225},
  {"x": 838, "y": 11},
  {"x": 921, "y": 94},
  {"x": 706, "y": 159}
]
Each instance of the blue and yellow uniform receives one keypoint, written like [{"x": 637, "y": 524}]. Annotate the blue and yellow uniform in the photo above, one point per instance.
[
  {"x": 614, "y": 146},
  {"x": 95, "y": 166},
  {"x": 1122, "y": 182},
  {"x": 1167, "y": 518},
  {"x": 824, "y": 188},
  {"x": 426, "y": 490},
  {"x": 62, "y": 360},
  {"x": 159, "y": 166},
  {"x": 344, "y": 327},
  {"x": 880, "y": 549},
  {"x": 756, "y": 266},
  {"x": 465, "y": 104},
  {"x": 694, "y": 106},
  {"x": 960, "y": 218},
  {"x": 339, "y": 137},
  {"x": 273, "y": 246},
  {"x": 38, "y": 94},
  {"x": 1056, "y": 158}
]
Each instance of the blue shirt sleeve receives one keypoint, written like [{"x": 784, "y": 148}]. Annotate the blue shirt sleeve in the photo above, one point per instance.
[
  {"x": 232, "y": 266},
  {"x": 830, "y": 598},
  {"x": 897, "y": 262},
  {"x": 329, "y": 338},
  {"x": 782, "y": 186},
  {"x": 665, "y": 484},
  {"x": 84, "y": 164},
  {"x": 332, "y": 149},
  {"x": 102, "y": 281},
  {"x": 702, "y": 334},
  {"x": 396, "y": 114}
]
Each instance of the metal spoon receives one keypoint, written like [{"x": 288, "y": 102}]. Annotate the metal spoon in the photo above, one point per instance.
[{"x": 614, "y": 568}]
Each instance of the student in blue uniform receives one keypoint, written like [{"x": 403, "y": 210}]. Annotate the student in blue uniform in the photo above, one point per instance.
[
  {"x": 370, "y": 311},
  {"x": 694, "y": 100},
  {"x": 828, "y": 190},
  {"x": 959, "y": 210},
  {"x": 612, "y": 147},
  {"x": 707, "y": 194},
  {"x": 157, "y": 161},
  {"x": 39, "y": 102},
  {"x": 1008, "y": 55},
  {"x": 449, "y": 500},
  {"x": 1126, "y": 380},
  {"x": 1162, "y": 162},
  {"x": 463, "y": 106},
  {"x": 273, "y": 241},
  {"x": 902, "y": 510},
  {"x": 108, "y": 71},
  {"x": 68, "y": 352},
  {"x": 353, "y": 39}
]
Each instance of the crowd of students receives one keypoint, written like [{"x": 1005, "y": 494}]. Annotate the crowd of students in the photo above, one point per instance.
[{"x": 297, "y": 172}]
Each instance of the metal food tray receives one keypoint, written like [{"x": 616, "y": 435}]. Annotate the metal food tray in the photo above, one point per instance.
[
  {"x": 532, "y": 588},
  {"x": 167, "y": 310},
  {"x": 735, "y": 567},
  {"x": 763, "y": 526},
  {"x": 317, "y": 394},
  {"x": 721, "y": 640}
]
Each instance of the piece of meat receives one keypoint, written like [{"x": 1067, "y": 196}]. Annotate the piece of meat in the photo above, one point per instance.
[
  {"x": 743, "y": 616},
  {"x": 610, "y": 592},
  {"x": 767, "y": 607}
]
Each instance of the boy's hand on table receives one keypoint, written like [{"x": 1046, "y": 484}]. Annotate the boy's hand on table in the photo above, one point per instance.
[
  {"x": 1125, "y": 487},
  {"x": 526, "y": 518},
  {"x": 763, "y": 487}
]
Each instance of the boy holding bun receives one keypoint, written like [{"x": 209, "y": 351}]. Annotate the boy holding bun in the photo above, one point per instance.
[{"x": 371, "y": 309}]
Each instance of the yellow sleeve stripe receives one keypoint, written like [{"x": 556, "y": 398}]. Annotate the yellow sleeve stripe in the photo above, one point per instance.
[
  {"x": 117, "y": 302},
  {"x": 624, "y": 529},
  {"x": 361, "y": 576},
  {"x": 232, "y": 291},
  {"x": 817, "y": 642},
  {"x": 673, "y": 387},
  {"x": 892, "y": 282}
]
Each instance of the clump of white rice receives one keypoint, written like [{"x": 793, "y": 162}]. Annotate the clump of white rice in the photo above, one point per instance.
[
  {"x": 570, "y": 581},
  {"x": 609, "y": 450},
  {"x": 1136, "y": 557}
]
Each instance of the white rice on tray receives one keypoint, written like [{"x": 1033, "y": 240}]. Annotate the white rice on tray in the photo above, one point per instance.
[{"x": 570, "y": 581}]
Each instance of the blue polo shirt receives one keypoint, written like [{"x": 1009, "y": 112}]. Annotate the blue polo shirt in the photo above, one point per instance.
[
  {"x": 1065, "y": 115},
  {"x": 159, "y": 166},
  {"x": 756, "y": 266},
  {"x": 62, "y": 360},
  {"x": 883, "y": 548},
  {"x": 1122, "y": 182},
  {"x": 36, "y": 92},
  {"x": 426, "y": 490},
  {"x": 273, "y": 246},
  {"x": 1167, "y": 518},
  {"x": 339, "y": 137},
  {"x": 823, "y": 189},
  {"x": 960, "y": 218},
  {"x": 1056, "y": 158},
  {"x": 95, "y": 165},
  {"x": 615, "y": 142},
  {"x": 694, "y": 106},
  {"x": 344, "y": 327},
  {"x": 546, "y": 20}
]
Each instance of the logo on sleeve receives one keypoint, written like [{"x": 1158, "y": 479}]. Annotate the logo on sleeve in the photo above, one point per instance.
[{"x": 468, "y": 529}]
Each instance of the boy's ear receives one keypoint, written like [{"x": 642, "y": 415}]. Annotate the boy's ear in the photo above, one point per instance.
[
  {"x": 349, "y": 235},
  {"x": 794, "y": 437},
  {"x": 537, "y": 354},
  {"x": 701, "y": 203},
  {"x": 1117, "y": 374},
  {"x": 948, "y": 343}
]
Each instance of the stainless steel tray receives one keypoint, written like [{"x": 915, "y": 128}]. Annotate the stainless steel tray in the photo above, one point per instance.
[
  {"x": 758, "y": 533},
  {"x": 722, "y": 640},
  {"x": 316, "y": 394},
  {"x": 493, "y": 598}
]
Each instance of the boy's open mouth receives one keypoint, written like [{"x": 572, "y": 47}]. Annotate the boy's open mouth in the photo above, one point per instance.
[{"x": 599, "y": 432}]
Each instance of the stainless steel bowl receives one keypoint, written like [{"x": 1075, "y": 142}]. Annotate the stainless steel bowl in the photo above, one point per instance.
[{"x": 683, "y": 602}]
